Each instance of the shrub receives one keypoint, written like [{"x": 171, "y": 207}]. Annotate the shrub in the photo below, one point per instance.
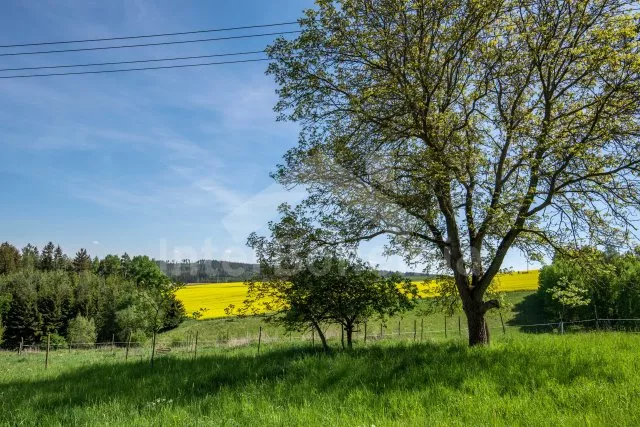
[
  {"x": 56, "y": 341},
  {"x": 82, "y": 331}
]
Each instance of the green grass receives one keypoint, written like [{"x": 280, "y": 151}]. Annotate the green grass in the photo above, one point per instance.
[{"x": 577, "y": 379}]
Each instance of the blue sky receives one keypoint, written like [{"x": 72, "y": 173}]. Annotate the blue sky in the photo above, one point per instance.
[{"x": 170, "y": 163}]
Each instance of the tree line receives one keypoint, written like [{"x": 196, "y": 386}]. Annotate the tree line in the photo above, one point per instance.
[
  {"x": 592, "y": 283},
  {"x": 82, "y": 299},
  {"x": 216, "y": 271}
]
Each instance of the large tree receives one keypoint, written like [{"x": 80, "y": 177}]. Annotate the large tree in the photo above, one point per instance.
[{"x": 462, "y": 129}]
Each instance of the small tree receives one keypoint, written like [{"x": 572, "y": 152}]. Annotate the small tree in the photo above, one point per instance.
[
  {"x": 569, "y": 294},
  {"x": 82, "y": 331},
  {"x": 329, "y": 290}
]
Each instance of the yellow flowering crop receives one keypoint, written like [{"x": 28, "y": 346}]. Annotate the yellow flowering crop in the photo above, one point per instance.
[{"x": 215, "y": 297}]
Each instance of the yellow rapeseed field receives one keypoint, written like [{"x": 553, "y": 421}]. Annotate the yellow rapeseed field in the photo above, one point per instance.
[{"x": 215, "y": 297}]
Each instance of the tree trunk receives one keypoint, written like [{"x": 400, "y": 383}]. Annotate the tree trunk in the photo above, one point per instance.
[
  {"x": 349, "y": 330},
  {"x": 478, "y": 328},
  {"x": 323, "y": 339}
]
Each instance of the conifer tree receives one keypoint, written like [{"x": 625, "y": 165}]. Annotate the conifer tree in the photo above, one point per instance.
[
  {"x": 46, "y": 257},
  {"x": 82, "y": 261}
]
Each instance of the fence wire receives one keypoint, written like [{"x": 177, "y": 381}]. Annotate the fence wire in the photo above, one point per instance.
[{"x": 416, "y": 334}]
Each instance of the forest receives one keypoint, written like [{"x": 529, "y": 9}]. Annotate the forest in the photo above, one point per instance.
[{"x": 82, "y": 299}]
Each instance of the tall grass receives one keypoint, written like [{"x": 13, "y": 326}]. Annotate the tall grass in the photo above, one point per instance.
[{"x": 581, "y": 379}]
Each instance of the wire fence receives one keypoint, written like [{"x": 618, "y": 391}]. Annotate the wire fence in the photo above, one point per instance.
[{"x": 365, "y": 333}]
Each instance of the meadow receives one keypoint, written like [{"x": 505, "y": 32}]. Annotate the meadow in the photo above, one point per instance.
[
  {"x": 216, "y": 297},
  {"x": 521, "y": 379}
]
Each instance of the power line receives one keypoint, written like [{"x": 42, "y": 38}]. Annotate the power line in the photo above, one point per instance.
[
  {"x": 96, "y": 64},
  {"x": 40, "y": 52},
  {"x": 20, "y": 76},
  {"x": 182, "y": 33}
]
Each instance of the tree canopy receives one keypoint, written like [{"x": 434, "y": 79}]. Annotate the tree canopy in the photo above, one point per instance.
[{"x": 462, "y": 129}]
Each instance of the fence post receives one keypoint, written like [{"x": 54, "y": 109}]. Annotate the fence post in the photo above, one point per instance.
[
  {"x": 459, "y": 326},
  {"x": 421, "y": 329},
  {"x": 113, "y": 338},
  {"x": 415, "y": 328},
  {"x": 365, "y": 332},
  {"x": 21, "y": 345},
  {"x": 126, "y": 354},
  {"x": 595, "y": 308},
  {"x": 445, "y": 326},
  {"x": 46, "y": 358},
  {"x": 195, "y": 347},
  {"x": 259, "y": 339},
  {"x": 381, "y": 332},
  {"x": 153, "y": 347},
  {"x": 504, "y": 330}
]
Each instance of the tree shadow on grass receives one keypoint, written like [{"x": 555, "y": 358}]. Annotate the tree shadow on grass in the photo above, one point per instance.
[
  {"x": 509, "y": 369},
  {"x": 531, "y": 311}
]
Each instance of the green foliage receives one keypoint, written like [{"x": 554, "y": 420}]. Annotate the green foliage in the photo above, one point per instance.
[
  {"x": 57, "y": 341},
  {"x": 329, "y": 290},
  {"x": 82, "y": 261},
  {"x": 462, "y": 129},
  {"x": 47, "y": 257},
  {"x": 581, "y": 283},
  {"x": 82, "y": 331},
  {"x": 9, "y": 258},
  {"x": 46, "y": 293}
]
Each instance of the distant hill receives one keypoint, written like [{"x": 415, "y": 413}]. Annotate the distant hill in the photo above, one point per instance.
[{"x": 215, "y": 271}]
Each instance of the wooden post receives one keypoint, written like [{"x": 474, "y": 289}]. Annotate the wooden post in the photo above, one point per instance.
[
  {"x": 21, "y": 345},
  {"x": 126, "y": 354},
  {"x": 415, "y": 328},
  {"x": 365, "y": 332},
  {"x": 445, "y": 326},
  {"x": 398, "y": 328},
  {"x": 113, "y": 339},
  {"x": 381, "y": 332},
  {"x": 153, "y": 347},
  {"x": 195, "y": 347},
  {"x": 46, "y": 358},
  {"x": 259, "y": 339},
  {"x": 421, "y": 329},
  {"x": 459, "y": 326},
  {"x": 504, "y": 330},
  {"x": 595, "y": 309}
]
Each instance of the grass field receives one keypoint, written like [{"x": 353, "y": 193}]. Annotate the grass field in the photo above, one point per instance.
[
  {"x": 577, "y": 379},
  {"x": 215, "y": 297}
]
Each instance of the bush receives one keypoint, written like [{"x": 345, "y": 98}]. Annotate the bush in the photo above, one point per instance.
[
  {"x": 56, "y": 341},
  {"x": 132, "y": 320},
  {"x": 138, "y": 337},
  {"x": 82, "y": 331},
  {"x": 174, "y": 315}
]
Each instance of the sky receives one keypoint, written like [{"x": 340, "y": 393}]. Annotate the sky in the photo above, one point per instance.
[{"x": 169, "y": 163}]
